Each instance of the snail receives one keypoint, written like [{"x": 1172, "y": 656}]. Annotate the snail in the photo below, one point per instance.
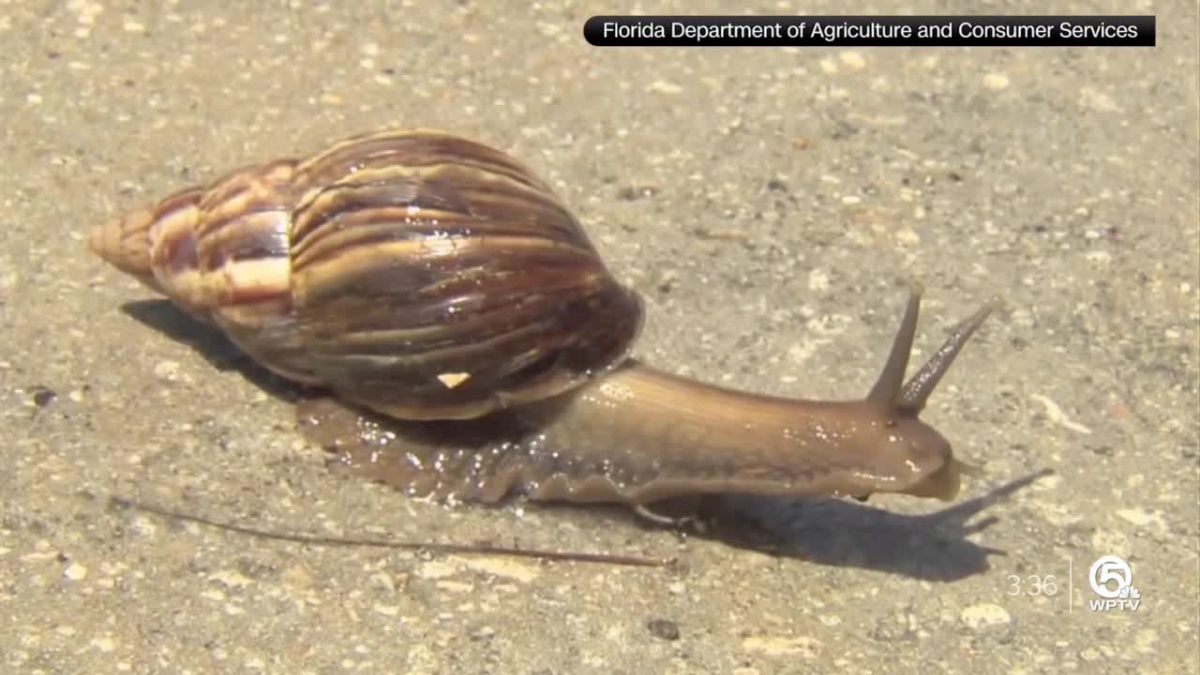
[{"x": 476, "y": 346}]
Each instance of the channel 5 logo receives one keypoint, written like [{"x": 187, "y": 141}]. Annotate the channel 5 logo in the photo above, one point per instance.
[{"x": 1112, "y": 579}]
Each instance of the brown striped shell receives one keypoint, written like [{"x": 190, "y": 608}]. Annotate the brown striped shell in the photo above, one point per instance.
[{"x": 417, "y": 273}]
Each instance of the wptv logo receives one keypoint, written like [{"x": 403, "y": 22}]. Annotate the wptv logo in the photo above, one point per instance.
[{"x": 1112, "y": 579}]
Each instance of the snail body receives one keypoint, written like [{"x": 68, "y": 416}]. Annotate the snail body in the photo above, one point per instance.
[{"x": 476, "y": 345}]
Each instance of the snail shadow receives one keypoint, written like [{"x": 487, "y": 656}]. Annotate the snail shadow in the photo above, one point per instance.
[
  {"x": 831, "y": 532},
  {"x": 210, "y": 343},
  {"x": 847, "y": 533}
]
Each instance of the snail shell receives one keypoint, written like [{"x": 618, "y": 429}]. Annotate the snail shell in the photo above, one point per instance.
[
  {"x": 438, "y": 283},
  {"x": 417, "y": 273}
]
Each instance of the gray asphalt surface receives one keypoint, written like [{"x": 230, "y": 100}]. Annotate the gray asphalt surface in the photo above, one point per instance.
[{"x": 767, "y": 203}]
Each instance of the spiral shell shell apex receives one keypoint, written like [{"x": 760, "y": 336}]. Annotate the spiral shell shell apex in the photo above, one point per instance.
[{"x": 417, "y": 273}]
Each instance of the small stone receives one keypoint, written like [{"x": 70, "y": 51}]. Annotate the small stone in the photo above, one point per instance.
[
  {"x": 230, "y": 578},
  {"x": 382, "y": 581},
  {"x": 985, "y": 615},
  {"x": 1142, "y": 518},
  {"x": 509, "y": 569},
  {"x": 299, "y": 579},
  {"x": 818, "y": 280},
  {"x": 853, "y": 59},
  {"x": 484, "y": 633},
  {"x": 167, "y": 370},
  {"x": 75, "y": 572},
  {"x": 663, "y": 87},
  {"x": 436, "y": 569},
  {"x": 804, "y": 647},
  {"x": 995, "y": 81}
]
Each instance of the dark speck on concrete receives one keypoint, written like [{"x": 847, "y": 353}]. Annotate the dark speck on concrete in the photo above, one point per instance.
[
  {"x": 43, "y": 396},
  {"x": 663, "y": 629}
]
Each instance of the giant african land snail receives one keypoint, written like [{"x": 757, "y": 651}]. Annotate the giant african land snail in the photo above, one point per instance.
[{"x": 439, "y": 283}]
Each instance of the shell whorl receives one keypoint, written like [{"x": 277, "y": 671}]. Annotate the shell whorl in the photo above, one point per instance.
[{"x": 421, "y": 274}]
